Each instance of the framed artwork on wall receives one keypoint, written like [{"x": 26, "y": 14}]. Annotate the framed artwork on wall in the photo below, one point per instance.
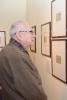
[
  {"x": 58, "y": 18},
  {"x": 46, "y": 39},
  {"x": 33, "y": 46},
  {"x": 59, "y": 59},
  {"x": 2, "y": 38}
]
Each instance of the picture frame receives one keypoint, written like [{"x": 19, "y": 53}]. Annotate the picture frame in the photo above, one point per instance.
[
  {"x": 2, "y": 39},
  {"x": 59, "y": 59},
  {"x": 59, "y": 18},
  {"x": 46, "y": 39},
  {"x": 33, "y": 46}
]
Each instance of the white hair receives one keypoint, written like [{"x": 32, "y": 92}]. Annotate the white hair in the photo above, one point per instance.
[{"x": 16, "y": 27}]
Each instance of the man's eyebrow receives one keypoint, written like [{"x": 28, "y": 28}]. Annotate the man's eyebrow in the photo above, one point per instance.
[{"x": 30, "y": 31}]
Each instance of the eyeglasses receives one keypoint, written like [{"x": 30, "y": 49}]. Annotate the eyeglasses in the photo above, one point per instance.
[
  {"x": 31, "y": 32},
  {"x": 27, "y": 31}
]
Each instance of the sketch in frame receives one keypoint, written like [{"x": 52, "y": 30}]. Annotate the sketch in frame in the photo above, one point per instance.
[
  {"x": 58, "y": 18},
  {"x": 33, "y": 46},
  {"x": 2, "y": 38},
  {"x": 59, "y": 58},
  {"x": 46, "y": 39}
]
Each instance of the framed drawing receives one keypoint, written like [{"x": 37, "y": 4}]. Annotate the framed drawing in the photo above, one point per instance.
[
  {"x": 59, "y": 59},
  {"x": 46, "y": 39},
  {"x": 2, "y": 39},
  {"x": 33, "y": 47},
  {"x": 58, "y": 18}
]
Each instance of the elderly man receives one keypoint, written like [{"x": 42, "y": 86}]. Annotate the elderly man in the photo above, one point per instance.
[{"x": 19, "y": 78}]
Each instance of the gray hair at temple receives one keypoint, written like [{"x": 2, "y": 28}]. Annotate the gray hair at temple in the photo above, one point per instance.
[{"x": 19, "y": 26}]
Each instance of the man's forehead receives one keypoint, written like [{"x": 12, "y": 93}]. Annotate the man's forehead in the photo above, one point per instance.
[{"x": 24, "y": 26}]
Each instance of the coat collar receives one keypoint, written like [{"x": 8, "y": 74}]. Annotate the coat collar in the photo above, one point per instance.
[{"x": 17, "y": 44}]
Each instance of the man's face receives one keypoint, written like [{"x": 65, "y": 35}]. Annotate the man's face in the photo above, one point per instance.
[
  {"x": 25, "y": 34},
  {"x": 27, "y": 38}
]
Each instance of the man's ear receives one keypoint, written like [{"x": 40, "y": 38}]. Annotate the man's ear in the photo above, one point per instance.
[{"x": 18, "y": 36}]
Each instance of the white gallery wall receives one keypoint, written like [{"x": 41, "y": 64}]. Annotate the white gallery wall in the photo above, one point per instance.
[
  {"x": 11, "y": 11},
  {"x": 39, "y": 12}
]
